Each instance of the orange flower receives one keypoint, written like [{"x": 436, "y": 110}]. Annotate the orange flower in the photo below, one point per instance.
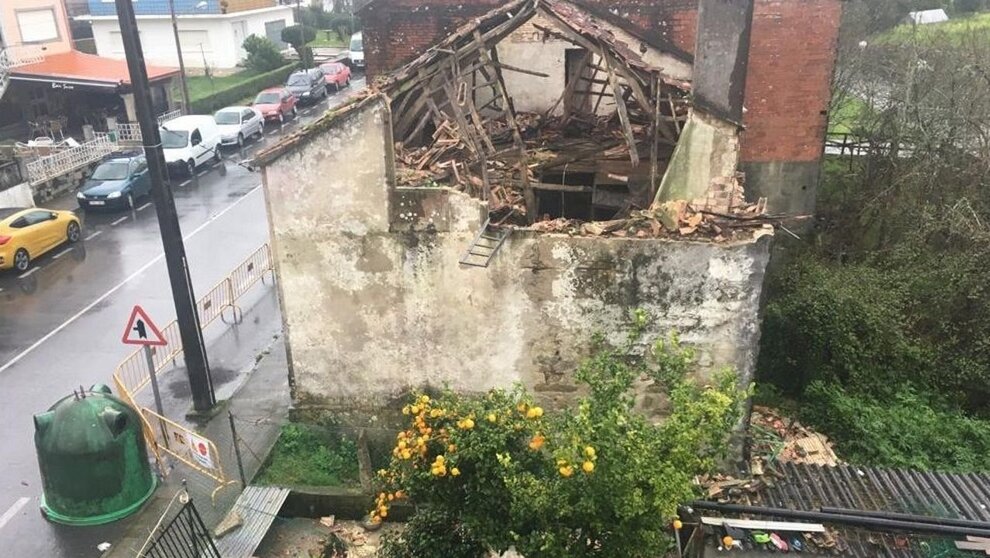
[{"x": 536, "y": 442}]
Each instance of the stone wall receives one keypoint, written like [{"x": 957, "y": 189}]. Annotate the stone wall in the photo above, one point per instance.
[{"x": 375, "y": 301}]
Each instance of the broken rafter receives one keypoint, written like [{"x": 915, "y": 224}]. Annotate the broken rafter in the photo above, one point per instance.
[
  {"x": 504, "y": 66},
  {"x": 620, "y": 108}
]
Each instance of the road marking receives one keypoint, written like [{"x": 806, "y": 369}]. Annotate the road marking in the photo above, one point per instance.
[
  {"x": 93, "y": 235},
  {"x": 119, "y": 221},
  {"x": 120, "y": 285},
  {"x": 12, "y": 511},
  {"x": 184, "y": 184},
  {"x": 145, "y": 206},
  {"x": 28, "y": 272},
  {"x": 202, "y": 172},
  {"x": 62, "y": 253}
]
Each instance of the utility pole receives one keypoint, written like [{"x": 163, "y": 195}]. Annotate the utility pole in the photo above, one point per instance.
[
  {"x": 191, "y": 333},
  {"x": 178, "y": 51}
]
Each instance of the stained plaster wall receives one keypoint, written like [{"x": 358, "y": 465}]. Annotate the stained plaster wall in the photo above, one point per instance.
[
  {"x": 375, "y": 302},
  {"x": 707, "y": 149}
]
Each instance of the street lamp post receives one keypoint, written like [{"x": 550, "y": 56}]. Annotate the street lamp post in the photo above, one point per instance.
[
  {"x": 190, "y": 331},
  {"x": 178, "y": 51}
]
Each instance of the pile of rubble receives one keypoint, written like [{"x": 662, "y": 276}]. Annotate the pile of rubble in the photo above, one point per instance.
[
  {"x": 722, "y": 215},
  {"x": 776, "y": 438}
]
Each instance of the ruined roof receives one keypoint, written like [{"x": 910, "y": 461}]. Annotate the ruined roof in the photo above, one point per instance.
[
  {"x": 817, "y": 488},
  {"x": 580, "y": 25}
]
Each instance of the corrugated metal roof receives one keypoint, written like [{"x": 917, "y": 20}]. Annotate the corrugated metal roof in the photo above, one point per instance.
[
  {"x": 812, "y": 487},
  {"x": 257, "y": 506}
]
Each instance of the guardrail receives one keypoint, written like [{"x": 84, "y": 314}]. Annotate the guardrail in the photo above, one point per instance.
[
  {"x": 170, "y": 115},
  {"x": 132, "y": 374},
  {"x": 69, "y": 159}
]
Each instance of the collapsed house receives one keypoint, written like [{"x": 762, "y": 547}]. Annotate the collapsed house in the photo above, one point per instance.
[{"x": 585, "y": 169}]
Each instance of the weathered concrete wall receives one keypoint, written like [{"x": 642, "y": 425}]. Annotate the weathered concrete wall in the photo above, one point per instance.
[
  {"x": 721, "y": 56},
  {"x": 17, "y": 196},
  {"x": 708, "y": 148},
  {"x": 375, "y": 302}
]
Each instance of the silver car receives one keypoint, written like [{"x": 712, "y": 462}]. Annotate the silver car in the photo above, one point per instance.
[{"x": 239, "y": 123}]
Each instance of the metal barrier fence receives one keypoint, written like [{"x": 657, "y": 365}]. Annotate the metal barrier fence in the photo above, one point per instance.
[
  {"x": 169, "y": 115},
  {"x": 184, "y": 536},
  {"x": 67, "y": 160},
  {"x": 132, "y": 374}
]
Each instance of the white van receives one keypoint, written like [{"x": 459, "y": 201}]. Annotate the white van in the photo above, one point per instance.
[
  {"x": 189, "y": 141},
  {"x": 357, "y": 50}
]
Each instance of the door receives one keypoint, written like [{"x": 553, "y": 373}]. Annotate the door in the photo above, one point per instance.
[
  {"x": 41, "y": 232},
  {"x": 199, "y": 148},
  {"x": 273, "y": 30},
  {"x": 250, "y": 122},
  {"x": 142, "y": 181}
]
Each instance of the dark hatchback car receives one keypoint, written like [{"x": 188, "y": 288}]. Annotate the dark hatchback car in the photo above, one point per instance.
[
  {"x": 115, "y": 184},
  {"x": 309, "y": 86}
]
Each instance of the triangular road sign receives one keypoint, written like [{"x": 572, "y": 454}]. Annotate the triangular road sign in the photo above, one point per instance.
[{"x": 141, "y": 330}]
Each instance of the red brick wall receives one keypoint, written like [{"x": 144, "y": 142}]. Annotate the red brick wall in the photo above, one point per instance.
[
  {"x": 790, "y": 61},
  {"x": 791, "y": 58}
]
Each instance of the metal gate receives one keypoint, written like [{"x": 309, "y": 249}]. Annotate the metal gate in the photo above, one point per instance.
[{"x": 185, "y": 536}]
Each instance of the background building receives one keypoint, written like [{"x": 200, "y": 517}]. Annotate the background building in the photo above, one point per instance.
[{"x": 211, "y": 33}]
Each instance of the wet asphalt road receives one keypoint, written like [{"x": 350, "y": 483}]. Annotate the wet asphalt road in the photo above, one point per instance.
[{"x": 61, "y": 321}]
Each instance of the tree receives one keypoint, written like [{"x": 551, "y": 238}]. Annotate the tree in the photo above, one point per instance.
[
  {"x": 299, "y": 36},
  {"x": 263, "y": 55},
  {"x": 497, "y": 471}
]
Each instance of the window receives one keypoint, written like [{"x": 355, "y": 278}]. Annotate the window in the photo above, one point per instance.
[
  {"x": 36, "y": 217},
  {"x": 19, "y": 223},
  {"x": 37, "y": 26},
  {"x": 196, "y": 138},
  {"x": 248, "y": 114},
  {"x": 138, "y": 166}
]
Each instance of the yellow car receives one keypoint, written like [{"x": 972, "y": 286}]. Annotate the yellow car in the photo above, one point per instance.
[{"x": 28, "y": 233}]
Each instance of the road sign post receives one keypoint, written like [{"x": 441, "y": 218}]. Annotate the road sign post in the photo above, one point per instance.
[
  {"x": 193, "y": 345},
  {"x": 141, "y": 330}
]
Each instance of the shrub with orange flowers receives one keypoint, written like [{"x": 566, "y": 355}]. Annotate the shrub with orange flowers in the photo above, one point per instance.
[{"x": 498, "y": 471}]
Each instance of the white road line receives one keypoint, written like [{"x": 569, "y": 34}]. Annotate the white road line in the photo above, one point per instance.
[
  {"x": 93, "y": 235},
  {"x": 184, "y": 184},
  {"x": 28, "y": 272},
  {"x": 202, "y": 172},
  {"x": 119, "y": 286},
  {"x": 12, "y": 511},
  {"x": 145, "y": 206},
  {"x": 119, "y": 221},
  {"x": 62, "y": 253}
]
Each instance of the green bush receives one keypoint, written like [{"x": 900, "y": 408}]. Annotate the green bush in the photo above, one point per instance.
[
  {"x": 263, "y": 54},
  {"x": 496, "y": 471},
  {"x": 904, "y": 431},
  {"x": 246, "y": 89},
  {"x": 306, "y": 456}
]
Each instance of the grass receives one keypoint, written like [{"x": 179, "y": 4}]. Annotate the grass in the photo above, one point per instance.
[
  {"x": 201, "y": 87},
  {"x": 956, "y": 27},
  {"x": 306, "y": 456},
  {"x": 846, "y": 116},
  {"x": 328, "y": 38}
]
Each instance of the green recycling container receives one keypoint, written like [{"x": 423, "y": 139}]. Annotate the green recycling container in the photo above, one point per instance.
[{"x": 93, "y": 459}]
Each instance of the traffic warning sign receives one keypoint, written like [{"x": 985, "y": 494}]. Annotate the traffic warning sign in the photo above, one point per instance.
[{"x": 141, "y": 330}]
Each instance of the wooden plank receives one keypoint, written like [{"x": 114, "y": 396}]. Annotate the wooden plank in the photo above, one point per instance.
[
  {"x": 504, "y": 66},
  {"x": 561, "y": 187},
  {"x": 462, "y": 123},
  {"x": 654, "y": 145},
  {"x": 569, "y": 88},
  {"x": 765, "y": 525},
  {"x": 620, "y": 107}
]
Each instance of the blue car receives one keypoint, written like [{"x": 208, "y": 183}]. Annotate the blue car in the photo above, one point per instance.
[{"x": 116, "y": 184}]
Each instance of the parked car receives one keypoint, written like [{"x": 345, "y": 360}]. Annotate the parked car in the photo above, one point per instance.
[
  {"x": 115, "y": 184},
  {"x": 357, "y": 50},
  {"x": 27, "y": 233},
  {"x": 238, "y": 123},
  {"x": 275, "y": 104},
  {"x": 189, "y": 141},
  {"x": 336, "y": 74},
  {"x": 307, "y": 85}
]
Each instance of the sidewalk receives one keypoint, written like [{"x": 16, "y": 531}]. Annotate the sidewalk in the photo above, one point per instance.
[{"x": 251, "y": 380}]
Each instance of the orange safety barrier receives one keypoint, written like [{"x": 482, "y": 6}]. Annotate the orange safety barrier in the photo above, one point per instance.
[{"x": 132, "y": 374}]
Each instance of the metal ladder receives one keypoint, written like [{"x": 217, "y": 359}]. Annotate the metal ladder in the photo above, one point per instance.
[{"x": 485, "y": 245}]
